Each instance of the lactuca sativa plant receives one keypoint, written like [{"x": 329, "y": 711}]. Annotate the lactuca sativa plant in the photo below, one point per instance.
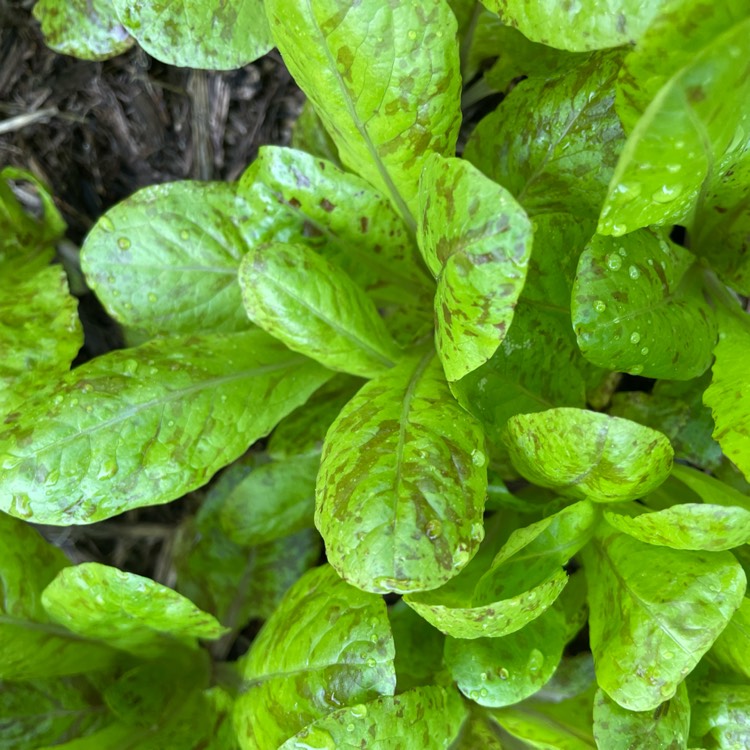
[{"x": 444, "y": 355}]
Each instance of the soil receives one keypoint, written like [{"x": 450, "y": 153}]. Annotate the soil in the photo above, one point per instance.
[{"x": 95, "y": 132}]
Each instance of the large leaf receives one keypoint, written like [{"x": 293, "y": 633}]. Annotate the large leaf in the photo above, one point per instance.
[
  {"x": 195, "y": 34},
  {"x": 588, "y": 455},
  {"x": 721, "y": 716},
  {"x": 384, "y": 79},
  {"x": 728, "y": 395},
  {"x": 633, "y": 299},
  {"x": 328, "y": 645},
  {"x": 402, "y": 482},
  {"x": 732, "y": 648},
  {"x": 654, "y": 613},
  {"x": 554, "y": 143},
  {"x": 427, "y": 718},
  {"x": 88, "y": 29},
  {"x": 584, "y": 25},
  {"x": 125, "y": 610},
  {"x": 692, "y": 130},
  {"x": 146, "y": 425},
  {"x": 165, "y": 260},
  {"x": 616, "y": 728},
  {"x": 315, "y": 308},
  {"x": 476, "y": 240}
]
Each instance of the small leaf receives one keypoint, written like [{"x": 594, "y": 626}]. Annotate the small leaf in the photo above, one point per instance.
[
  {"x": 144, "y": 426},
  {"x": 654, "y": 613},
  {"x": 312, "y": 306},
  {"x": 476, "y": 240},
  {"x": 126, "y": 611},
  {"x": 633, "y": 298},
  {"x": 428, "y": 718},
  {"x": 165, "y": 259},
  {"x": 588, "y": 455},
  {"x": 732, "y": 648},
  {"x": 385, "y": 118},
  {"x": 387, "y": 525},
  {"x": 327, "y": 645},
  {"x": 667, "y": 726},
  {"x": 192, "y": 34},
  {"x": 87, "y": 29}
]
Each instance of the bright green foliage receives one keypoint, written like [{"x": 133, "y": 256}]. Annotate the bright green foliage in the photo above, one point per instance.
[
  {"x": 476, "y": 240},
  {"x": 641, "y": 331},
  {"x": 732, "y": 648},
  {"x": 384, "y": 80},
  {"x": 88, "y": 29},
  {"x": 721, "y": 716},
  {"x": 419, "y": 648},
  {"x": 316, "y": 309},
  {"x": 588, "y": 455},
  {"x": 654, "y": 613},
  {"x": 327, "y": 645},
  {"x": 386, "y": 528}
]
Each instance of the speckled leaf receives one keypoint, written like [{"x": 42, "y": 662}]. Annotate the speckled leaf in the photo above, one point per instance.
[
  {"x": 479, "y": 731},
  {"x": 165, "y": 260},
  {"x": 654, "y": 613},
  {"x": 384, "y": 79},
  {"x": 502, "y": 671},
  {"x": 40, "y": 333},
  {"x": 584, "y": 25},
  {"x": 692, "y": 130},
  {"x": 232, "y": 582},
  {"x": 144, "y": 426},
  {"x": 274, "y": 500},
  {"x": 588, "y": 455},
  {"x": 732, "y": 648},
  {"x": 196, "y": 34},
  {"x": 687, "y": 526},
  {"x": 675, "y": 408},
  {"x": 633, "y": 298},
  {"x": 297, "y": 198},
  {"x": 402, "y": 482},
  {"x": 729, "y": 393},
  {"x": 425, "y": 718},
  {"x": 706, "y": 488},
  {"x": 721, "y": 716},
  {"x": 554, "y": 143},
  {"x": 328, "y": 645},
  {"x": 315, "y": 308},
  {"x": 87, "y": 29},
  {"x": 309, "y": 135},
  {"x": 47, "y": 712},
  {"x": 476, "y": 240},
  {"x": 616, "y": 728},
  {"x": 125, "y": 610}
]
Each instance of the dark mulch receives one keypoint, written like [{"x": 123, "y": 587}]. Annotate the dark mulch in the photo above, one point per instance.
[{"x": 95, "y": 132}]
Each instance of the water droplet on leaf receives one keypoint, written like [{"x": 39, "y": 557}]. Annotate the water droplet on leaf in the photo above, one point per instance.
[
  {"x": 599, "y": 306},
  {"x": 434, "y": 529},
  {"x": 614, "y": 262},
  {"x": 635, "y": 337},
  {"x": 123, "y": 243},
  {"x": 633, "y": 272}
]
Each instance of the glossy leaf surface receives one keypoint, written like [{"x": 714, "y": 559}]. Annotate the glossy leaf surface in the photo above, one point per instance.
[
  {"x": 721, "y": 716},
  {"x": 402, "y": 482},
  {"x": 732, "y": 648}
]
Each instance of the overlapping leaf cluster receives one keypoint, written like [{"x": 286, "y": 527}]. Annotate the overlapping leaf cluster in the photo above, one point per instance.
[{"x": 436, "y": 346}]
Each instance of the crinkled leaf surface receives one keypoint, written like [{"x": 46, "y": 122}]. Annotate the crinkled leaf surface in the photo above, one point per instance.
[
  {"x": 427, "y": 717},
  {"x": 195, "y": 34},
  {"x": 125, "y": 610},
  {"x": 578, "y": 26},
  {"x": 165, "y": 259},
  {"x": 297, "y": 198},
  {"x": 315, "y": 308},
  {"x": 688, "y": 526},
  {"x": 633, "y": 299},
  {"x": 588, "y": 455},
  {"x": 692, "y": 130},
  {"x": 402, "y": 482},
  {"x": 654, "y": 613},
  {"x": 616, "y": 728},
  {"x": 554, "y": 143},
  {"x": 732, "y": 648},
  {"x": 384, "y": 79},
  {"x": 721, "y": 716},
  {"x": 328, "y": 645},
  {"x": 144, "y": 426},
  {"x": 87, "y": 29},
  {"x": 729, "y": 393},
  {"x": 476, "y": 240}
]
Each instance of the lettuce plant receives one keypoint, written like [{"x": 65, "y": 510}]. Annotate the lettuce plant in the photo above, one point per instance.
[{"x": 508, "y": 391}]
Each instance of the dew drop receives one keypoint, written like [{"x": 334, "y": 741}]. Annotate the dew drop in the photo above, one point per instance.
[
  {"x": 478, "y": 458},
  {"x": 619, "y": 229},
  {"x": 477, "y": 532},
  {"x": 614, "y": 262},
  {"x": 599, "y": 306},
  {"x": 667, "y": 654},
  {"x": 108, "y": 469},
  {"x": 350, "y": 727},
  {"x": 622, "y": 251},
  {"x": 106, "y": 224},
  {"x": 674, "y": 168},
  {"x": 374, "y": 638},
  {"x": 359, "y": 711},
  {"x": 667, "y": 193},
  {"x": 123, "y": 243},
  {"x": 434, "y": 529},
  {"x": 633, "y": 272},
  {"x": 636, "y": 369},
  {"x": 483, "y": 693},
  {"x": 644, "y": 351},
  {"x": 536, "y": 660},
  {"x": 635, "y": 337},
  {"x": 503, "y": 673},
  {"x": 170, "y": 423},
  {"x": 483, "y": 676},
  {"x": 20, "y": 505}
]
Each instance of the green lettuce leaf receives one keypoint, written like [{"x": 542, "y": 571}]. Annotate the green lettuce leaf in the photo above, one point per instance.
[
  {"x": 387, "y": 525},
  {"x": 309, "y": 135},
  {"x": 706, "y": 488},
  {"x": 476, "y": 240},
  {"x": 721, "y": 716},
  {"x": 732, "y": 648}
]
